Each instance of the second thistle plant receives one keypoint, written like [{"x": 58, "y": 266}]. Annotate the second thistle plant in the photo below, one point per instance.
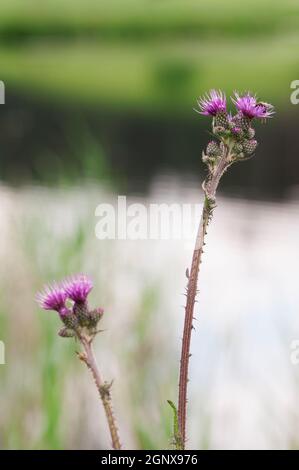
[
  {"x": 233, "y": 141},
  {"x": 70, "y": 299}
]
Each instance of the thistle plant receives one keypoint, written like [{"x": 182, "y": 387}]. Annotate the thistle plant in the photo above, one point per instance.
[
  {"x": 234, "y": 141},
  {"x": 70, "y": 300}
]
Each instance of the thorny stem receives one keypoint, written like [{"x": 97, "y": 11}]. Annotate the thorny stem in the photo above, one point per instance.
[
  {"x": 209, "y": 187},
  {"x": 103, "y": 387}
]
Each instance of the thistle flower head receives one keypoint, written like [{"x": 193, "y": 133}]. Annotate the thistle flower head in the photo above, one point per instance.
[
  {"x": 249, "y": 107},
  {"x": 77, "y": 317},
  {"x": 212, "y": 103},
  {"x": 78, "y": 287},
  {"x": 53, "y": 297}
]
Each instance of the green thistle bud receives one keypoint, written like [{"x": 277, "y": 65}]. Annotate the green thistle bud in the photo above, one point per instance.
[
  {"x": 65, "y": 332},
  {"x": 237, "y": 132},
  {"x": 236, "y": 121},
  {"x": 249, "y": 146},
  {"x": 221, "y": 120},
  {"x": 245, "y": 123},
  {"x": 70, "y": 320},
  {"x": 238, "y": 148},
  {"x": 240, "y": 121},
  {"x": 94, "y": 317},
  {"x": 80, "y": 310},
  {"x": 213, "y": 149}
]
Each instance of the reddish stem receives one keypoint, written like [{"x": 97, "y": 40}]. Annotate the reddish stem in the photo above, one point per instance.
[
  {"x": 103, "y": 387},
  {"x": 210, "y": 188}
]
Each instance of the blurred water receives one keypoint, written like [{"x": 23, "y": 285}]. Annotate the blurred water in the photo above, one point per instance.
[{"x": 243, "y": 387}]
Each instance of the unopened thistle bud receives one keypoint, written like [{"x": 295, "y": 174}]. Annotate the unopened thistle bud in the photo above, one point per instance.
[
  {"x": 65, "y": 332},
  {"x": 241, "y": 121},
  {"x": 238, "y": 148},
  {"x": 213, "y": 149},
  {"x": 237, "y": 132},
  {"x": 245, "y": 123},
  {"x": 249, "y": 146},
  {"x": 80, "y": 310},
  {"x": 221, "y": 120},
  {"x": 69, "y": 319},
  {"x": 94, "y": 317}
]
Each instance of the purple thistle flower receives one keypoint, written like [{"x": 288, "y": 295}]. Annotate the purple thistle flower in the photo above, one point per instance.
[
  {"x": 53, "y": 297},
  {"x": 78, "y": 287},
  {"x": 248, "y": 106},
  {"x": 212, "y": 104}
]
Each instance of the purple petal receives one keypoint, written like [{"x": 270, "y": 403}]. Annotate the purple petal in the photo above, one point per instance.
[
  {"x": 78, "y": 287},
  {"x": 53, "y": 297},
  {"x": 212, "y": 103}
]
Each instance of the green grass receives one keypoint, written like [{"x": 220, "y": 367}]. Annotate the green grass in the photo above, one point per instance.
[
  {"x": 153, "y": 56},
  {"x": 144, "y": 18},
  {"x": 151, "y": 76},
  {"x": 37, "y": 371},
  {"x": 54, "y": 237}
]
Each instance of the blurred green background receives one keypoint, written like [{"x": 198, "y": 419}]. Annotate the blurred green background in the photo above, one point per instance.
[
  {"x": 107, "y": 89},
  {"x": 99, "y": 102}
]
